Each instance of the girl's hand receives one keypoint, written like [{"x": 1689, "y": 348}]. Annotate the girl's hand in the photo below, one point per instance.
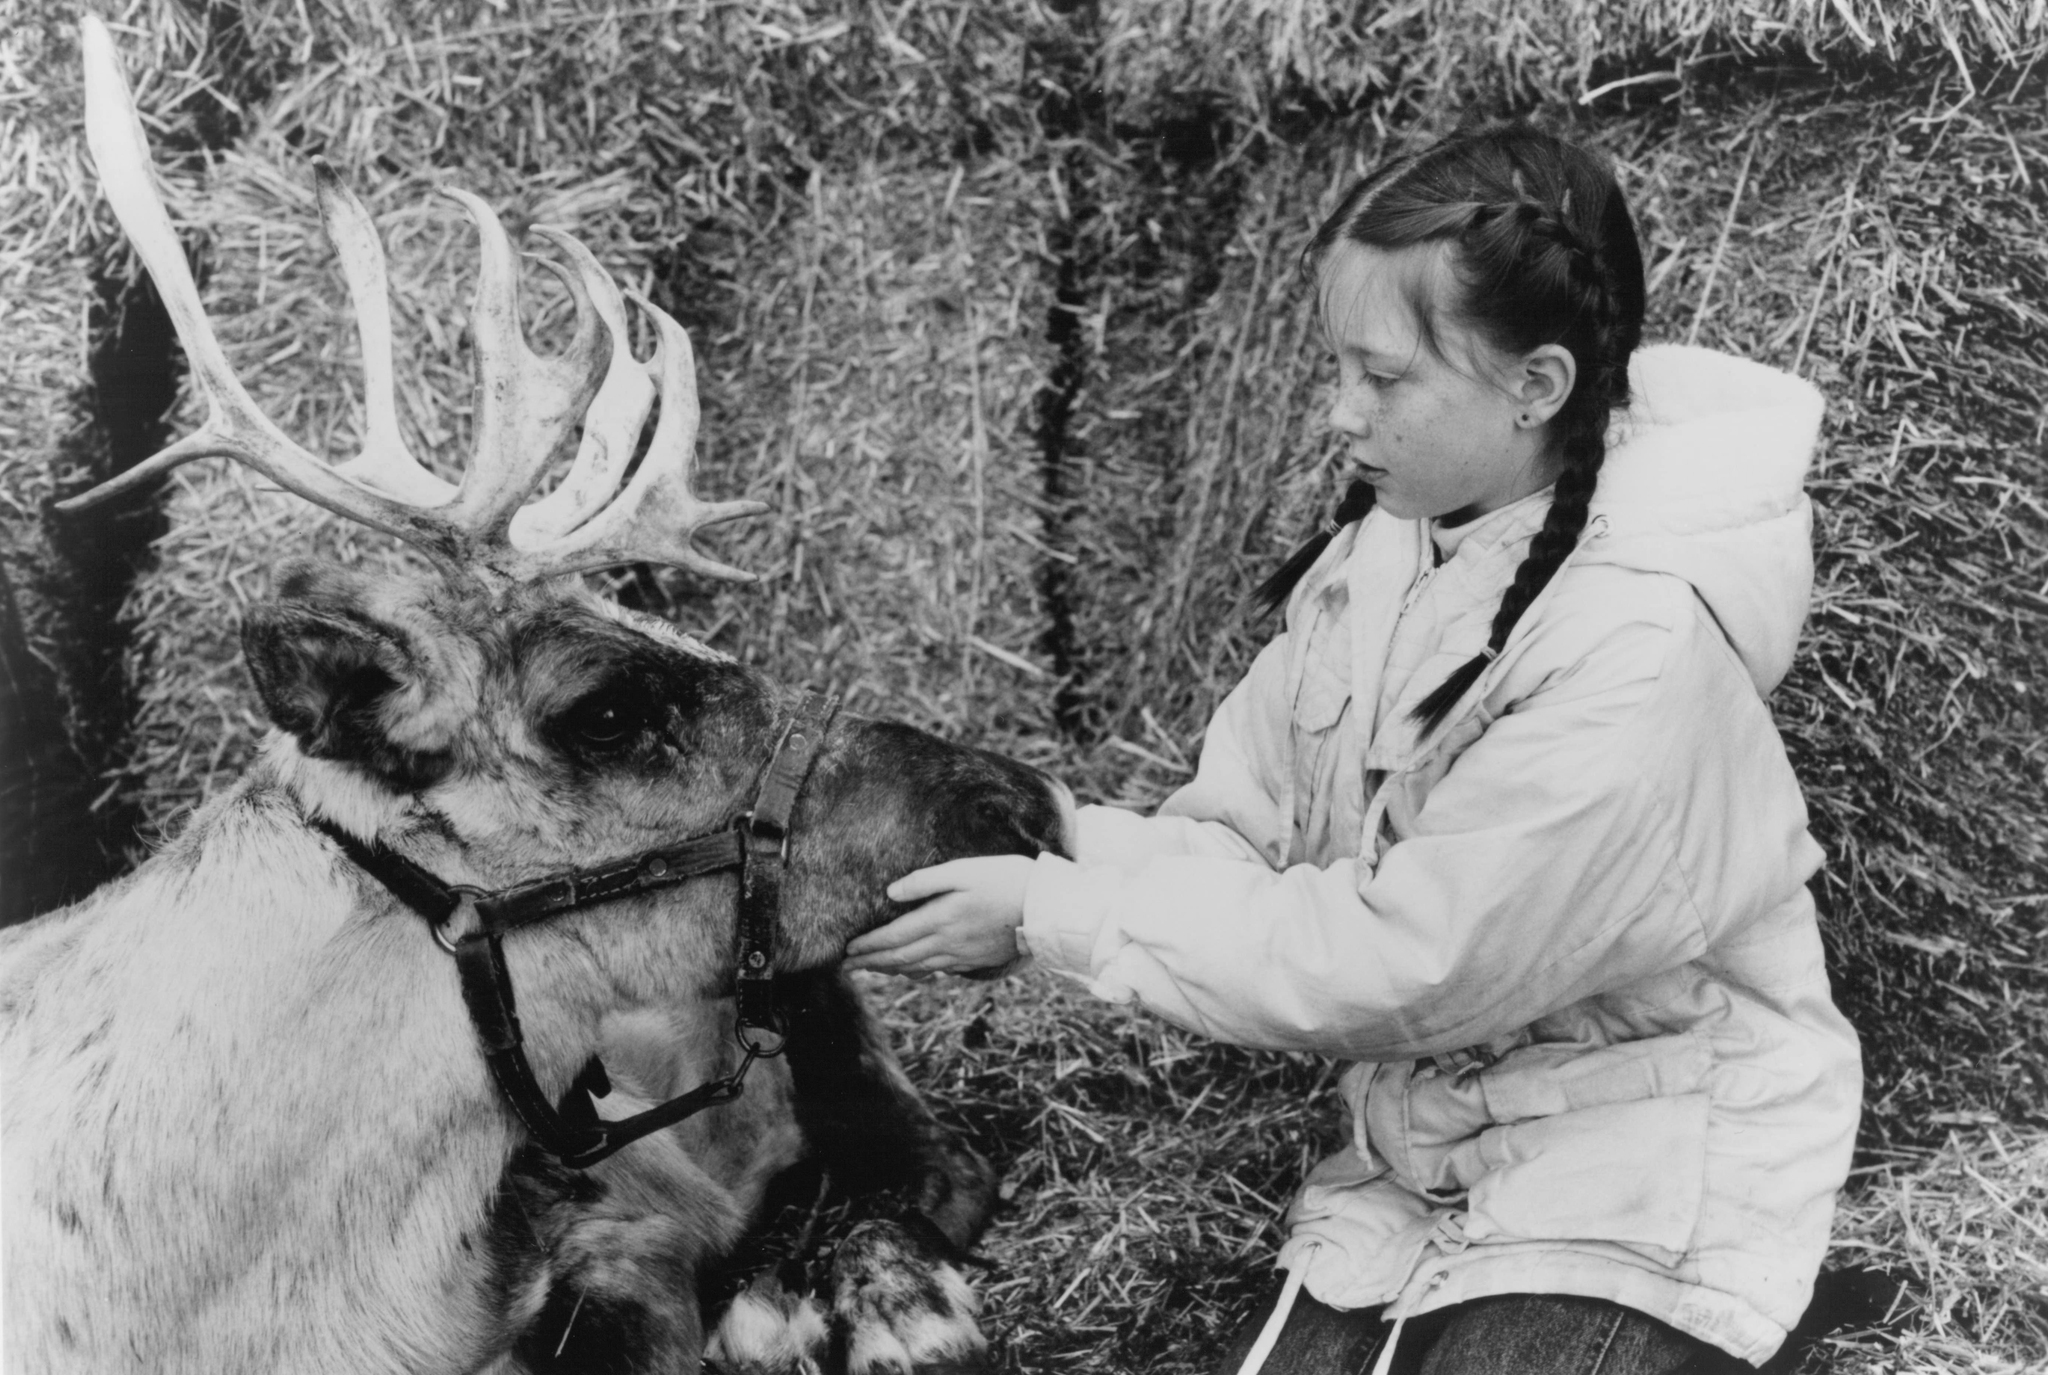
[{"x": 970, "y": 924}]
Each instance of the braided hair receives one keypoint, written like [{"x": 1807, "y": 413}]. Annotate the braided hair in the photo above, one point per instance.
[{"x": 1544, "y": 251}]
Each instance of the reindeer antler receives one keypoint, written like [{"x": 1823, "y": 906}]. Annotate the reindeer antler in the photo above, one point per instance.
[{"x": 530, "y": 407}]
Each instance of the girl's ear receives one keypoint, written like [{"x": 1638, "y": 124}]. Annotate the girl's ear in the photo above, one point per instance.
[{"x": 1543, "y": 381}]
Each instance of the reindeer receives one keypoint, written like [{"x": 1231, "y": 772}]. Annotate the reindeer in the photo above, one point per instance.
[{"x": 422, "y": 1047}]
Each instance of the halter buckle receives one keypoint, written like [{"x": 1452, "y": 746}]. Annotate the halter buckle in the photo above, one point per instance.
[{"x": 755, "y": 829}]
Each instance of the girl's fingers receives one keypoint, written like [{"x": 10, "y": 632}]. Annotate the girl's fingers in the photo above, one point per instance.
[
  {"x": 930, "y": 882},
  {"x": 927, "y": 955},
  {"x": 911, "y": 926}
]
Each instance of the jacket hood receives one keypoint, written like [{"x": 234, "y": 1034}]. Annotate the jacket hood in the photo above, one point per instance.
[{"x": 1705, "y": 479}]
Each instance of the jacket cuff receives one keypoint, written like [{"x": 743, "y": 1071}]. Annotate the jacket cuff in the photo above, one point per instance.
[
  {"x": 1108, "y": 835},
  {"x": 1065, "y": 910}
]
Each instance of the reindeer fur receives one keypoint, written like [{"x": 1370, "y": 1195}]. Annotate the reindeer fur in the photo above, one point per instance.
[{"x": 247, "y": 1128}]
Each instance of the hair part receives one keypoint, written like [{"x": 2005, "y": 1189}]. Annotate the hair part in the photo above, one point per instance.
[{"x": 1540, "y": 249}]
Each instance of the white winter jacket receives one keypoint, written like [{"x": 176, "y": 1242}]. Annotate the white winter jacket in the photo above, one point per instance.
[{"x": 1566, "y": 936}]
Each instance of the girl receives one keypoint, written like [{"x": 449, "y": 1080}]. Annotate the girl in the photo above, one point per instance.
[{"x": 1501, "y": 816}]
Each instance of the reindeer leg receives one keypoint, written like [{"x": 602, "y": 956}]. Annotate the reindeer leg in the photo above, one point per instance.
[
  {"x": 893, "y": 1298},
  {"x": 605, "y": 1261},
  {"x": 899, "y": 1301},
  {"x": 892, "y": 1196},
  {"x": 775, "y": 1324},
  {"x": 864, "y": 1118}
]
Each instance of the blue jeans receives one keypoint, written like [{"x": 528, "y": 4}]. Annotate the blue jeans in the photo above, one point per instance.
[{"x": 1512, "y": 1334}]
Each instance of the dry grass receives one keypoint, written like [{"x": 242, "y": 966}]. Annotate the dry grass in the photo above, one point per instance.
[
  {"x": 1969, "y": 1219},
  {"x": 918, "y": 256}
]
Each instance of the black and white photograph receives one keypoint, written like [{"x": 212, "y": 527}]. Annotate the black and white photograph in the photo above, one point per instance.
[{"x": 942, "y": 687}]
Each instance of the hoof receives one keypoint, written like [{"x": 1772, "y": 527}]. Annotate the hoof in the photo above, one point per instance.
[
  {"x": 900, "y": 1307},
  {"x": 768, "y": 1330}
]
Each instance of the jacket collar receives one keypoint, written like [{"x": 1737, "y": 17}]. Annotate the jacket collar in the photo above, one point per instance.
[
  {"x": 1595, "y": 532},
  {"x": 1505, "y": 525}
]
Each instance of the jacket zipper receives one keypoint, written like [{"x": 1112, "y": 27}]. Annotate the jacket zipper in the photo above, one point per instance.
[
  {"x": 1596, "y": 528},
  {"x": 1415, "y": 592}
]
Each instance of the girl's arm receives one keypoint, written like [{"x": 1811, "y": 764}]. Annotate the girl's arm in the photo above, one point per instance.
[
  {"x": 1613, "y": 824},
  {"x": 1236, "y": 807},
  {"x": 1234, "y": 810}
]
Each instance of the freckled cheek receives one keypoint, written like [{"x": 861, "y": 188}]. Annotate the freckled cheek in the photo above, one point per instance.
[{"x": 1351, "y": 413}]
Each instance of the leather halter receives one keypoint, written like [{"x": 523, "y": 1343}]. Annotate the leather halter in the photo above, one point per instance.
[{"x": 470, "y": 924}]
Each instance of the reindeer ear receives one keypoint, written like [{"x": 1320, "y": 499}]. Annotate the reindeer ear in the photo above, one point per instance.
[{"x": 328, "y": 674}]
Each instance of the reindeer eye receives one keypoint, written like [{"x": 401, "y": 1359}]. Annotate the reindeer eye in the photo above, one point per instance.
[{"x": 601, "y": 721}]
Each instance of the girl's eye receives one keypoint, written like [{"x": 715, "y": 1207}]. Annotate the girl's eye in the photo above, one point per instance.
[{"x": 1352, "y": 372}]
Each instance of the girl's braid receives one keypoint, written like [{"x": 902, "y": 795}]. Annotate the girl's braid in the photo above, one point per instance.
[
  {"x": 1271, "y": 593},
  {"x": 1583, "y": 442}
]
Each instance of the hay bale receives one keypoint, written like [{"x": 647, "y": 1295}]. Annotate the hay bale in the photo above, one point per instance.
[{"x": 1276, "y": 61}]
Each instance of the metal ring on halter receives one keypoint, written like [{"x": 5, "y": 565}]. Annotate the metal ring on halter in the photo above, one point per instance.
[
  {"x": 767, "y": 1051},
  {"x": 466, "y": 898}
]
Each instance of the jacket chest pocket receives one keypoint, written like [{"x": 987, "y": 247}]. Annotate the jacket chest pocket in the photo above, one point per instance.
[{"x": 1324, "y": 688}]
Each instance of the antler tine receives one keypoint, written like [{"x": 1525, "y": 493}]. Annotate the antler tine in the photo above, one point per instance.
[
  {"x": 611, "y": 427},
  {"x": 385, "y": 463},
  {"x": 235, "y": 428},
  {"x": 528, "y": 407},
  {"x": 656, "y": 515}
]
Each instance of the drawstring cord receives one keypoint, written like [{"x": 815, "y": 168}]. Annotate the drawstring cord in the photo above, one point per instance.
[
  {"x": 1448, "y": 1236},
  {"x": 1386, "y": 1361},
  {"x": 1269, "y": 1335}
]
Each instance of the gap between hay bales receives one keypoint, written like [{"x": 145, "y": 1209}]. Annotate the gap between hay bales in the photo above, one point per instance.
[
  {"x": 1071, "y": 114},
  {"x": 69, "y": 673},
  {"x": 68, "y": 824}
]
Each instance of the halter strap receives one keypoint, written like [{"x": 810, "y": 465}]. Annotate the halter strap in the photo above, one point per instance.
[
  {"x": 757, "y": 845},
  {"x": 764, "y": 833},
  {"x": 509, "y": 908}
]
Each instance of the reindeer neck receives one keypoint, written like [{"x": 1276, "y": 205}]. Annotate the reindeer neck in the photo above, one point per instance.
[
  {"x": 287, "y": 1054},
  {"x": 560, "y": 987}
]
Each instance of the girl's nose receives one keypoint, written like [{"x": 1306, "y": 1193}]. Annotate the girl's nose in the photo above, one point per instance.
[{"x": 1348, "y": 413}]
